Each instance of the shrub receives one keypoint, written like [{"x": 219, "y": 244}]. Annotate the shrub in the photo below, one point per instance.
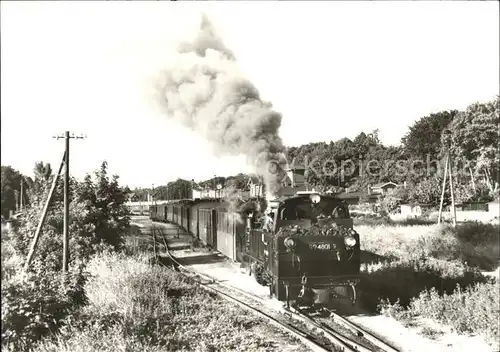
[
  {"x": 473, "y": 310},
  {"x": 389, "y": 203},
  {"x": 406, "y": 278},
  {"x": 474, "y": 243},
  {"x": 135, "y": 306},
  {"x": 36, "y": 303}
]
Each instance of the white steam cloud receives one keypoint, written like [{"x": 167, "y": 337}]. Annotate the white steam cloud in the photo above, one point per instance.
[{"x": 206, "y": 92}]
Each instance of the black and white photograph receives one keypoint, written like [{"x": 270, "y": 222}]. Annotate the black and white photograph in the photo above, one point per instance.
[{"x": 250, "y": 176}]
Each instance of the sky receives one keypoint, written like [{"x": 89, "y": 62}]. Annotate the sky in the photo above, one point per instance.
[{"x": 333, "y": 69}]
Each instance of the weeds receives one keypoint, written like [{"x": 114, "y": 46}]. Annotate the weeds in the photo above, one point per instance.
[
  {"x": 473, "y": 310},
  {"x": 433, "y": 272},
  {"x": 135, "y": 306},
  {"x": 475, "y": 243},
  {"x": 36, "y": 303},
  {"x": 404, "y": 279}
]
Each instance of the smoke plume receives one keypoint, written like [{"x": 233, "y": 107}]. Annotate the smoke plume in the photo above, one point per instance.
[{"x": 206, "y": 92}]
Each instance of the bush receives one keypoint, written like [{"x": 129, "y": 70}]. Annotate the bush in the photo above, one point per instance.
[
  {"x": 474, "y": 310},
  {"x": 36, "y": 303},
  {"x": 404, "y": 279},
  {"x": 135, "y": 306},
  {"x": 474, "y": 243},
  {"x": 389, "y": 203}
]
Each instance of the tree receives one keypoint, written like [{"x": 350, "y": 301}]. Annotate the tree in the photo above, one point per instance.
[
  {"x": 363, "y": 142},
  {"x": 98, "y": 220},
  {"x": 424, "y": 136},
  {"x": 474, "y": 138},
  {"x": 104, "y": 200},
  {"x": 427, "y": 191},
  {"x": 10, "y": 189},
  {"x": 42, "y": 171},
  {"x": 98, "y": 216}
]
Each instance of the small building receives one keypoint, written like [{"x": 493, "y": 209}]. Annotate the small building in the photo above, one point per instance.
[
  {"x": 382, "y": 188},
  {"x": 255, "y": 186},
  {"x": 354, "y": 197},
  {"x": 296, "y": 176},
  {"x": 413, "y": 210},
  {"x": 494, "y": 207}
]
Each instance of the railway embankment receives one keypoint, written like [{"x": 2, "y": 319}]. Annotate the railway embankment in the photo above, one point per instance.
[{"x": 136, "y": 306}]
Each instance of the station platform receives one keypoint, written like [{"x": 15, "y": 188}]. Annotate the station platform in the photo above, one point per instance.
[{"x": 177, "y": 237}]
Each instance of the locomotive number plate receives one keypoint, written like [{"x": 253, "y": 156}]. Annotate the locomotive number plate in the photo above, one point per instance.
[{"x": 322, "y": 246}]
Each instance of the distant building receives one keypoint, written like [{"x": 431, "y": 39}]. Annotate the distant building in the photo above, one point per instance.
[
  {"x": 256, "y": 187},
  {"x": 382, "y": 188},
  {"x": 295, "y": 176},
  {"x": 413, "y": 210},
  {"x": 354, "y": 197},
  {"x": 371, "y": 195}
]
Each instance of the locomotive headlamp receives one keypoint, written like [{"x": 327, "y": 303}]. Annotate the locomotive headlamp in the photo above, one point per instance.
[
  {"x": 315, "y": 198},
  {"x": 289, "y": 242},
  {"x": 349, "y": 241}
]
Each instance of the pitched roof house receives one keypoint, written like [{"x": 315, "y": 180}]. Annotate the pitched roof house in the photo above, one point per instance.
[{"x": 382, "y": 188}]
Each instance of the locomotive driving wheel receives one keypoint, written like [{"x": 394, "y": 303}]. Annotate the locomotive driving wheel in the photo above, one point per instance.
[
  {"x": 287, "y": 294},
  {"x": 249, "y": 267},
  {"x": 354, "y": 295}
]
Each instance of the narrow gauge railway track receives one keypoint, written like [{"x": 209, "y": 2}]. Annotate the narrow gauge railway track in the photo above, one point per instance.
[{"x": 316, "y": 335}]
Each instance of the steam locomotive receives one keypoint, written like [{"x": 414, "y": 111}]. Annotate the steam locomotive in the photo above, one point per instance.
[{"x": 304, "y": 247}]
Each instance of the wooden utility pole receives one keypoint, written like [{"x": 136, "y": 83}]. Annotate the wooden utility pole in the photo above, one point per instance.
[
  {"x": 21, "y": 200},
  {"x": 453, "y": 209},
  {"x": 16, "y": 195},
  {"x": 443, "y": 190},
  {"x": 448, "y": 170},
  {"x": 215, "y": 190},
  {"x": 472, "y": 180},
  {"x": 44, "y": 214},
  {"x": 153, "y": 195},
  {"x": 192, "y": 188},
  {"x": 140, "y": 201},
  {"x": 66, "y": 137}
]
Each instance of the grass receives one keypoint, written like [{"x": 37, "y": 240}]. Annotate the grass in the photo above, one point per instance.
[
  {"x": 432, "y": 271},
  {"x": 404, "y": 279},
  {"x": 474, "y": 310},
  {"x": 136, "y": 306},
  {"x": 474, "y": 243}
]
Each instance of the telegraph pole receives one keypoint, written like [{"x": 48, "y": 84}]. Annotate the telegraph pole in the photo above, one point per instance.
[
  {"x": 21, "y": 205},
  {"x": 215, "y": 189},
  {"x": 66, "y": 137},
  {"x": 448, "y": 170},
  {"x": 192, "y": 189},
  {"x": 153, "y": 198}
]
